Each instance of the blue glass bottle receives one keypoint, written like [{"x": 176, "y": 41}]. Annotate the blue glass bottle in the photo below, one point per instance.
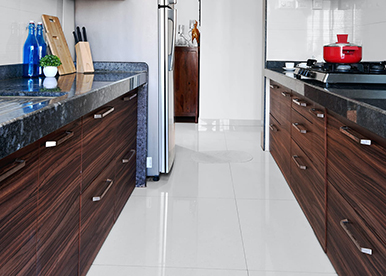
[
  {"x": 30, "y": 53},
  {"x": 42, "y": 46}
]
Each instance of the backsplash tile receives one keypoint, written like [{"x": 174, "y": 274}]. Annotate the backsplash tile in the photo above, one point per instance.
[{"x": 298, "y": 31}]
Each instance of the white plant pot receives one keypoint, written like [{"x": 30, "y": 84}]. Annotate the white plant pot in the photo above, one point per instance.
[{"x": 50, "y": 71}]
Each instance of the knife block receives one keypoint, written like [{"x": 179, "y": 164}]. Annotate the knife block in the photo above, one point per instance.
[{"x": 84, "y": 63}]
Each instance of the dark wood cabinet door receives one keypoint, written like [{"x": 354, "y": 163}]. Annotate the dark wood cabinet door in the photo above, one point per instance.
[
  {"x": 58, "y": 205},
  {"x": 126, "y": 117},
  {"x": 280, "y": 104},
  {"x": 18, "y": 215},
  {"x": 125, "y": 177},
  {"x": 358, "y": 170},
  {"x": 97, "y": 216},
  {"x": 279, "y": 144},
  {"x": 350, "y": 239},
  {"x": 186, "y": 83},
  {"x": 99, "y": 141},
  {"x": 308, "y": 187}
]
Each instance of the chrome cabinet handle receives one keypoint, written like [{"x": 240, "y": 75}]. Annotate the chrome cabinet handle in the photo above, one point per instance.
[
  {"x": 127, "y": 99},
  {"x": 127, "y": 160},
  {"x": 354, "y": 136},
  {"x": 99, "y": 198},
  {"x": 63, "y": 138},
  {"x": 318, "y": 113},
  {"x": 285, "y": 94},
  {"x": 104, "y": 112},
  {"x": 343, "y": 224},
  {"x": 299, "y": 128},
  {"x": 300, "y": 166},
  {"x": 273, "y": 128},
  {"x": 273, "y": 86},
  {"x": 299, "y": 102},
  {"x": 12, "y": 169}
]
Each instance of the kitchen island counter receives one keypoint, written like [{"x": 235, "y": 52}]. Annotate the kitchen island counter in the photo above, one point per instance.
[
  {"x": 363, "y": 104},
  {"x": 34, "y": 108}
]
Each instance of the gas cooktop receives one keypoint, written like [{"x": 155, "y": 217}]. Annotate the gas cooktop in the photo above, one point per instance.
[{"x": 363, "y": 72}]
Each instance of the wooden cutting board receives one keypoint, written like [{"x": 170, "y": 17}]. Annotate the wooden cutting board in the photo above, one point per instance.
[{"x": 58, "y": 44}]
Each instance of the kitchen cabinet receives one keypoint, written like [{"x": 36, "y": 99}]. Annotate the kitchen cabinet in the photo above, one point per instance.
[
  {"x": 58, "y": 204},
  {"x": 97, "y": 216},
  {"x": 280, "y": 139},
  {"x": 308, "y": 163},
  {"x": 186, "y": 84},
  {"x": 98, "y": 143},
  {"x": 126, "y": 149},
  {"x": 18, "y": 216},
  {"x": 356, "y": 162},
  {"x": 61, "y": 195}
]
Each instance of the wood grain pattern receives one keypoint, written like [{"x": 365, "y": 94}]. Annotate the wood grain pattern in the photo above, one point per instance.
[
  {"x": 280, "y": 142},
  {"x": 280, "y": 104},
  {"x": 58, "y": 44},
  {"x": 344, "y": 255},
  {"x": 58, "y": 205},
  {"x": 308, "y": 187},
  {"x": 99, "y": 144},
  {"x": 97, "y": 218},
  {"x": 186, "y": 82},
  {"x": 18, "y": 215},
  {"x": 358, "y": 172}
]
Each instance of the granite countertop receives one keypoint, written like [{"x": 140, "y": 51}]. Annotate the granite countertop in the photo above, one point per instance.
[
  {"x": 369, "y": 101},
  {"x": 32, "y": 108}
]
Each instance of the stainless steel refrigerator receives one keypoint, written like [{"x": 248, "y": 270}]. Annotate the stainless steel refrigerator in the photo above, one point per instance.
[
  {"x": 140, "y": 31},
  {"x": 167, "y": 25}
]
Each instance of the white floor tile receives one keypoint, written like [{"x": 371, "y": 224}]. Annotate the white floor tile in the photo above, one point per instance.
[
  {"x": 276, "y": 273},
  {"x": 176, "y": 232},
  {"x": 260, "y": 181},
  {"x": 214, "y": 219},
  {"x": 194, "y": 180},
  {"x": 98, "y": 270},
  {"x": 277, "y": 237}
]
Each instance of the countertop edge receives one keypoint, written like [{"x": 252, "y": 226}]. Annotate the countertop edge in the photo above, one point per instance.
[
  {"x": 25, "y": 130},
  {"x": 369, "y": 117}
]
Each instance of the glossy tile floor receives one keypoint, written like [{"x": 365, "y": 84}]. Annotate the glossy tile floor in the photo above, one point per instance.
[{"x": 236, "y": 218}]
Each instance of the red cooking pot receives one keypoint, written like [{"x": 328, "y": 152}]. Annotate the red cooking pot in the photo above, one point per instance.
[{"x": 342, "y": 51}]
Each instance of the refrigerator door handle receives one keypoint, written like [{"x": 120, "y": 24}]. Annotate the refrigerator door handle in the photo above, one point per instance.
[{"x": 172, "y": 16}]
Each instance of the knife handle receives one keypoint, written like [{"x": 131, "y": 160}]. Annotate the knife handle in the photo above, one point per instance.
[
  {"x": 84, "y": 34},
  {"x": 79, "y": 33},
  {"x": 75, "y": 36}
]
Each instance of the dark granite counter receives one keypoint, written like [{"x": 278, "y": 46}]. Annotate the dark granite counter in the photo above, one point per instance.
[
  {"x": 33, "y": 108},
  {"x": 369, "y": 101}
]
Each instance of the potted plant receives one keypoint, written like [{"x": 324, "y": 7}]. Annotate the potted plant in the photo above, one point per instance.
[{"x": 50, "y": 65}]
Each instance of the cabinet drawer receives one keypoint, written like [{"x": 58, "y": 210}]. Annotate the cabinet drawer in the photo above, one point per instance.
[
  {"x": 345, "y": 227},
  {"x": 125, "y": 176},
  {"x": 280, "y": 142},
  {"x": 309, "y": 109},
  {"x": 126, "y": 117},
  {"x": 280, "y": 104},
  {"x": 58, "y": 204},
  {"x": 358, "y": 172},
  {"x": 311, "y": 138},
  {"x": 97, "y": 216},
  {"x": 18, "y": 216},
  {"x": 99, "y": 142},
  {"x": 308, "y": 187}
]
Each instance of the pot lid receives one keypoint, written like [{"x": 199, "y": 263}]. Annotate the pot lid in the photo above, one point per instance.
[{"x": 342, "y": 41}]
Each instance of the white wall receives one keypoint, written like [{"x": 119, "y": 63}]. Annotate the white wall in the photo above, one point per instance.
[
  {"x": 14, "y": 18},
  {"x": 297, "y": 29},
  {"x": 231, "y": 59}
]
